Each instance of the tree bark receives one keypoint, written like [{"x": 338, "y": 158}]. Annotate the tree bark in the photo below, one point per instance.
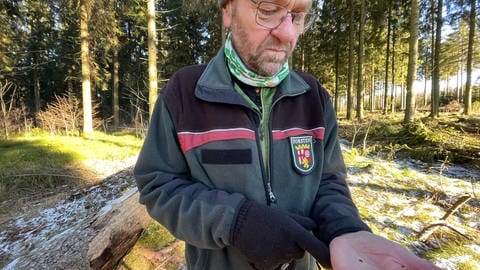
[
  {"x": 85, "y": 60},
  {"x": 361, "y": 52},
  {"x": 467, "y": 97},
  {"x": 152, "y": 56},
  {"x": 412, "y": 61},
  {"x": 436, "y": 62},
  {"x": 351, "y": 38},
  {"x": 387, "y": 61},
  {"x": 394, "y": 92},
  {"x": 115, "y": 96},
  {"x": 337, "y": 77}
]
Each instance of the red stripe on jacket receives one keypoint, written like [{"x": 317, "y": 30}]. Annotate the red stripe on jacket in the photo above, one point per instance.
[
  {"x": 316, "y": 133},
  {"x": 189, "y": 140}
]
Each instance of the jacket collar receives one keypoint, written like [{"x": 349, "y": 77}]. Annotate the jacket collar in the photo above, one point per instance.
[{"x": 216, "y": 85}]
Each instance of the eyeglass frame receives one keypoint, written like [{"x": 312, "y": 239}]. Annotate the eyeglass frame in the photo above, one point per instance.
[{"x": 292, "y": 13}]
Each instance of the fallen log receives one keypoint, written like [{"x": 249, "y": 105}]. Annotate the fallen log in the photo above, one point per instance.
[{"x": 97, "y": 242}]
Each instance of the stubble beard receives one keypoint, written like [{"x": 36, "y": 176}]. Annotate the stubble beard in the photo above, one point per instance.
[{"x": 259, "y": 60}]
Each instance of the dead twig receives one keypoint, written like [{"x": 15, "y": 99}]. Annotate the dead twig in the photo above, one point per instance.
[{"x": 442, "y": 222}]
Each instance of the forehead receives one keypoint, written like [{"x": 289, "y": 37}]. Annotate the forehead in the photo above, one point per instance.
[{"x": 296, "y": 4}]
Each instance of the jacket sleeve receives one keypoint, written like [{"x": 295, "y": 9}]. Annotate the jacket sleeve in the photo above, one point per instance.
[
  {"x": 190, "y": 210},
  {"x": 334, "y": 210}
]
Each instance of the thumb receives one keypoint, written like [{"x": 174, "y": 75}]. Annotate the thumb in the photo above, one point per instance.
[
  {"x": 306, "y": 222},
  {"x": 316, "y": 248}
]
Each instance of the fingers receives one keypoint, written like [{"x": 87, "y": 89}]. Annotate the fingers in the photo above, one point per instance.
[
  {"x": 309, "y": 242},
  {"x": 315, "y": 247},
  {"x": 306, "y": 222},
  {"x": 421, "y": 264},
  {"x": 413, "y": 262}
]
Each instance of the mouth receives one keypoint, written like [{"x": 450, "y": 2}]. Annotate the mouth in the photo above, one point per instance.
[{"x": 276, "y": 50}]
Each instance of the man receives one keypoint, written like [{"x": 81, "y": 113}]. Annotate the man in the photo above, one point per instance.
[{"x": 242, "y": 162}]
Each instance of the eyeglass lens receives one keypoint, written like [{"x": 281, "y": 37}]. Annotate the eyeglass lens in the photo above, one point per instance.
[{"x": 271, "y": 15}]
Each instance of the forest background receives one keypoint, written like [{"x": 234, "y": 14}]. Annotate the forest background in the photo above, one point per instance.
[
  {"x": 113, "y": 57},
  {"x": 92, "y": 68}
]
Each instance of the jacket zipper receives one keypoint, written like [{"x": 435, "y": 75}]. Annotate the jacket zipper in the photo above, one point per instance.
[
  {"x": 271, "y": 195},
  {"x": 268, "y": 190},
  {"x": 267, "y": 182}
]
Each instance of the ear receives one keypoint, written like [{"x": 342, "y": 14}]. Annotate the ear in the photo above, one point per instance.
[{"x": 227, "y": 11}]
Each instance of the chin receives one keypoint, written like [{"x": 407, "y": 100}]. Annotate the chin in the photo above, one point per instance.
[{"x": 270, "y": 71}]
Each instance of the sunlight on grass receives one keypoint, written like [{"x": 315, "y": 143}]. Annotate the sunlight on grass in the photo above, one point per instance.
[
  {"x": 156, "y": 249},
  {"x": 39, "y": 161},
  {"x": 155, "y": 237},
  {"x": 458, "y": 252}
]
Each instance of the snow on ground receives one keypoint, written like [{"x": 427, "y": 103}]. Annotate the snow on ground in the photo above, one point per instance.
[{"x": 395, "y": 206}]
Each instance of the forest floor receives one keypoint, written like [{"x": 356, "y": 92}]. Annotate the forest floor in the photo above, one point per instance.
[
  {"x": 397, "y": 198},
  {"x": 397, "y": 195},
  {"x": 403, "y": 180}
]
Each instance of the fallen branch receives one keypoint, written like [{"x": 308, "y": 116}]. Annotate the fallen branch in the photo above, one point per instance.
[
  {"x": 442, "y": 222},
  {"x": 436, "y": 225}
]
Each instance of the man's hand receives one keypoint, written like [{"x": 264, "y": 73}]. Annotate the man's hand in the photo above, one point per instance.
[
  {"x": 269, "y": 237},
  {"x": 366, "y": 251}
]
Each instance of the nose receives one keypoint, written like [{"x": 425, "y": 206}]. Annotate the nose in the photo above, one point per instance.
[{"x": 286, "y": 31}]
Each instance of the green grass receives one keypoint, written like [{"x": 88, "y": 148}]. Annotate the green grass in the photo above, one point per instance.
[
  {"x": 453, "y": 138},
  {"x": 155, "y": 237},
  {"x": 39, "y": 162},
  {"x": 150, "y": 252}
]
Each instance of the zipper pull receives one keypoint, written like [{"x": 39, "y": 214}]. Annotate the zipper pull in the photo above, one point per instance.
[{"x": 272, "y": 198}]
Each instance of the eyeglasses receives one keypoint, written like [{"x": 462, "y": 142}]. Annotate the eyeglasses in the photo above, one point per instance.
[{"x": 271, "y": 15}]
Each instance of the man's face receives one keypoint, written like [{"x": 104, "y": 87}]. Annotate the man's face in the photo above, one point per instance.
[{"x": 263, "y": 51}]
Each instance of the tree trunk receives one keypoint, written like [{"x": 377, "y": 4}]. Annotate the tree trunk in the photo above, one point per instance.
[
  {"x": 432, "y": 46},
  {"x": 337, "y": 78},
  {"x": 115, "y": 96},
  {"x": 467, "y": 97},
  {"x": 372, "y": 90},
  {"x": 152, "y": 56},
  {"x": 393, "y": 94},
  {"x": 436, "y": 61},
  {"x": 36, "y": 94},
  {"x": 361, "y": 52},
  {"x": 412, "y": 61},
  {"x": 36, "y": 89},
  {"x": 351, "y": 40},
  {"x": 387, "y": 61},
  {"x": 85, "y": 60}
]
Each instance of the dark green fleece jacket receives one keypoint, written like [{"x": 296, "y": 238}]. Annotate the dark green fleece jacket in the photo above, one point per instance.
[{"x": 202, "y": 158}]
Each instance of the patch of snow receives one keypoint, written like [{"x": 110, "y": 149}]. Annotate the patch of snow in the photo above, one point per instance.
[
  {"x": 387, "y": 220},
  {"x": 398, "y": 201},
  {"x": 407, "y": 212},
  {"x": 404, "y": 231},
  {"x": 345, "y": 145},
  {"x": 445, "y": 264},
  {"x": 11, "y": 266},
  {"x": 109, "y": 205},
  {"x": 417, "y": 226},
  {"x": 474, "y": 248}
]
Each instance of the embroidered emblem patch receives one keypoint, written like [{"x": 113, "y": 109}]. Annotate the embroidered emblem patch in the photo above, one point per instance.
[{"x": 302, "y": 153}]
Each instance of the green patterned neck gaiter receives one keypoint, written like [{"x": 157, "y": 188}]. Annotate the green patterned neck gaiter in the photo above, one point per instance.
[{"x": 239, "y": 70}]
